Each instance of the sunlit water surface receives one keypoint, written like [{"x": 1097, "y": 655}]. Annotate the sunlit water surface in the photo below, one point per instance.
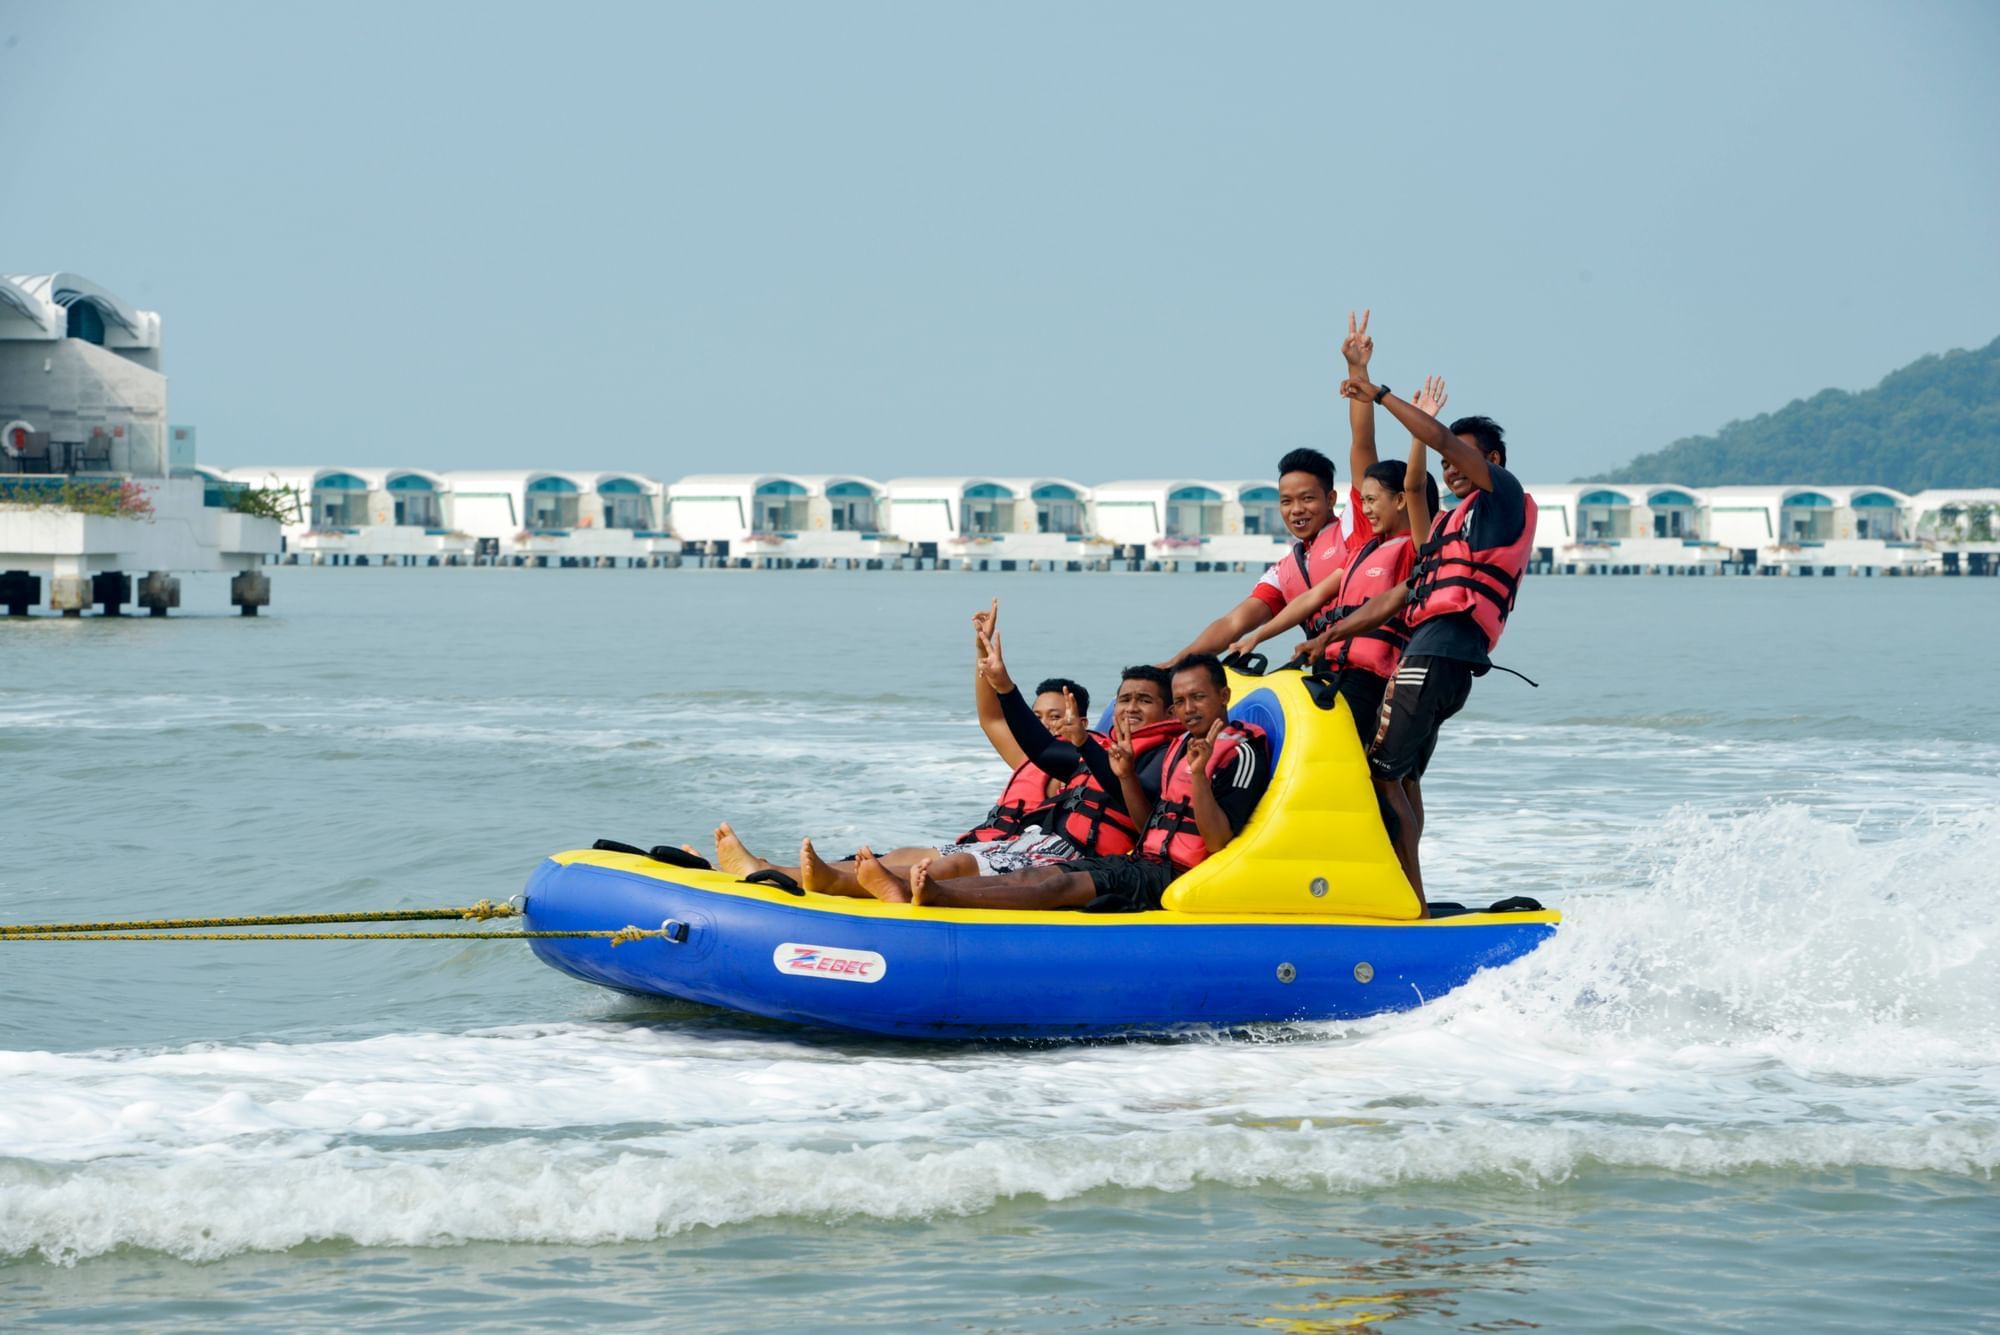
[{"x": 1753, "y": 1084}]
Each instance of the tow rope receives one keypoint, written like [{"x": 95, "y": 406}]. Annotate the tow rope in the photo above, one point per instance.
[{"x": 201, "y": 929}]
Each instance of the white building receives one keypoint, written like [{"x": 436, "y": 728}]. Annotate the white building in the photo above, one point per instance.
[
  {"x": 1816, "y": 527},
  {"x": 781, "y": 517},
  {"x": 987, "y": 520},
  {"x": 1187, "y": 519},
  {"x": 560, "y": 516},
  {"x": 83, "y": 427},
  {"x": 1599, "y": 525},
  {"x": 350, "y": 516}
]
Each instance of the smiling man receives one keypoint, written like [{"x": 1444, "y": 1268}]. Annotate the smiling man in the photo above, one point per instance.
[
  {"x": 1211, "y": 778},
  {"x": 1322, "y": 540}
]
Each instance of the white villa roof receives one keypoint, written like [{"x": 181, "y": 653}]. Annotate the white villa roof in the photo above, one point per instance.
[{"x": 44, "y": 299}]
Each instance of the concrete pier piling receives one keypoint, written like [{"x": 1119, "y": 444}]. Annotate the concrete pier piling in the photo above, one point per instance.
[
  {"x": 159, "y": 592},
  {"x": 250, "y": 590}
]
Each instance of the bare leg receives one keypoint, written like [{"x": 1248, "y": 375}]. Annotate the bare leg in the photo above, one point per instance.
[
  {"x": 732, "y": 856},
  {"x": 878, "y": 880},
  {"x": 1414, "y": 790},
  {"x": 1042, "y": 888},
  {"x": 840, "y": 878},
  {"x": 1405, "y": 829}
]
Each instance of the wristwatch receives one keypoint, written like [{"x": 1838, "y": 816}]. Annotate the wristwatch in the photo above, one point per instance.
[{"x": 1381, "y": 392}]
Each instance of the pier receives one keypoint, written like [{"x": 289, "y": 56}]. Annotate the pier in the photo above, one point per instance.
[{"x": 100, "y": 502}]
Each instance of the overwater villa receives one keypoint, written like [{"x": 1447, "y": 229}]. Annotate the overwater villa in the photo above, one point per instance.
[
  {"x": 783, "y": 518},
  {"x": 549, "y": 517},
  {"x": 1004, "y": 523}
]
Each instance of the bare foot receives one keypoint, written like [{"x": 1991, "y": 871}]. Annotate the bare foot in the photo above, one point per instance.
[
  {"x": 732, "y": 856},
  {"x": 920, "y": 880},
  {"x": 814, "y": 873},
  {"x": 878, "y": 880}
]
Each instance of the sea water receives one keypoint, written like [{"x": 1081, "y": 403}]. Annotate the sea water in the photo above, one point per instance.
[{"x": 1753, "y": 1083}]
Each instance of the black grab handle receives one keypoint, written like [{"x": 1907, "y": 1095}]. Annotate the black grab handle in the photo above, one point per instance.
[{"x": 1242, "y": 663}]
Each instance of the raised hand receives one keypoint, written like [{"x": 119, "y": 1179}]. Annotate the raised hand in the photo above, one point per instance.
[
  {"x": 1357, "y": 387},
  {"x": 1357, "y": 347},
  {"x": 1432, "y": 398},
  {"x": 1123, "y": 763},
  {"x": 1201, "y": 747},
  {"x": 1073, "y": 730},
  {"x": 993, "y": 664}
]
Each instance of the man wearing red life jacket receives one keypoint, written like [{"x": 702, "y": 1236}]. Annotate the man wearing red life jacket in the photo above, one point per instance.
[
  {"x": 1212, "y": 778},
  {"x": 1026, "y": 802},
  {"x": 1322, "y": 541},
  {"x": 1457, "y": 599},
  {"x": 1398, "y": 501}
]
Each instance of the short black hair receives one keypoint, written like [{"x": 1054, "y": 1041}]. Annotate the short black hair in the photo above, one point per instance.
[
  {"x": 1492, "y": 440},
  {"x": 1308, "y": 461},
  {"x": 1158, "y": 676},
  {"x": 1207, "y": 661},
  {"x": 1061, "y": 684},
  {"x": 1391, "y": 474}
]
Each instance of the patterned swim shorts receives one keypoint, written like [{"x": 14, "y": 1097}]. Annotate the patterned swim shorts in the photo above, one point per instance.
[{"x": 1029, "y": 849}]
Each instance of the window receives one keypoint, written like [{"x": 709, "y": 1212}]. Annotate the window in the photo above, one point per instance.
[
  {"x": 853, "y": 506},
  {"x": 1058, "y": 509},
  {"x": 1260, "y": 510}
]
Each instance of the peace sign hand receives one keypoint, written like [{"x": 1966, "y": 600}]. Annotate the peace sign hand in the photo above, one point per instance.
[
  {"x": 1073, "y": 730},
  {"x": 993, "y": 665},
  {"x": 1200, "y": 748},
  {"x": 1357, "y": 347},
  {"x": 1123, "y": 763}
]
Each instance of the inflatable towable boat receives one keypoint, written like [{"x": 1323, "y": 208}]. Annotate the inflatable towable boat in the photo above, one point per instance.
[{"x": 1305, "y": 916}]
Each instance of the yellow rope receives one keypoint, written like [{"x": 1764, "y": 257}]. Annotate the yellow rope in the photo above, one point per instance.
[
  {"x": 194, "y": 929},
  {"x": 618, "y": 938},
  {"x": 479, "y": 912}
]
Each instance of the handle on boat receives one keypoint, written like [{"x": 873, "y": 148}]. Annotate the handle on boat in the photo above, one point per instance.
[{"x": 1243, "y": 663}]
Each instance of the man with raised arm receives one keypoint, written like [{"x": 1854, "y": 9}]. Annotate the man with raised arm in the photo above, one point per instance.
[
  {"x": 1322, "y": 541},
  {"x": 1211, "y": 780},
  {"x": 1458, "y": 596}
]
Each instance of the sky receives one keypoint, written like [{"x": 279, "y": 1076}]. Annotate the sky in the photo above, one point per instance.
[{"x": 1095, "y": 241}]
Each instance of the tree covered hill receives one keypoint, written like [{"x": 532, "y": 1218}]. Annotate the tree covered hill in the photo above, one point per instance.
[{"x": 1935, "y": 423}]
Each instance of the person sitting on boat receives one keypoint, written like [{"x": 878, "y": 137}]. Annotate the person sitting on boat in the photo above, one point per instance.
[
  {"x": 1457, "y": 599},
  {"x": 1212, "y": 777},
  {"x": 1070, "y": 804},
  {"x": 1322, "y": 540}
]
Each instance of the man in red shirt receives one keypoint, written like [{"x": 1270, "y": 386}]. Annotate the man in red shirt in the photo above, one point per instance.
[{"x": 1322, "y": 541}]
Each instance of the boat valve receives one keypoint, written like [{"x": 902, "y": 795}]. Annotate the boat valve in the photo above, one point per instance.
[{"x": 674, "y": 931}]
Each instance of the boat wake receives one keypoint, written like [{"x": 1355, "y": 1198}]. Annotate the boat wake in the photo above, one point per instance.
[{"x": 1765, "y": 992}]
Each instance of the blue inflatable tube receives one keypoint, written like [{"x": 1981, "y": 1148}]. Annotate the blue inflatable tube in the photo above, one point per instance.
[{"x": 959, "y": 974}]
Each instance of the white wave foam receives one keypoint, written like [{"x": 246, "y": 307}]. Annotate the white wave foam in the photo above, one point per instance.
[
  {"x": 1768, "y": 991},
  {"x": 582, "y": 1193}
]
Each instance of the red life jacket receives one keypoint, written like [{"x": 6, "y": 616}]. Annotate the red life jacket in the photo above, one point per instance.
[
  {"x": 1172, "y": 834},
  {"x": 1450, "y": 576},
  {"x": 1087, "y": 815},
  {"x": 1376, "y": 568},
  {"x": 1023, "y": 802},
  {"x": 1310, "y": 562}
]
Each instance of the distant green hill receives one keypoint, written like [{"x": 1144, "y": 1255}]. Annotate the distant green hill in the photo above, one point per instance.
[{"x": 1935, "y": 423}]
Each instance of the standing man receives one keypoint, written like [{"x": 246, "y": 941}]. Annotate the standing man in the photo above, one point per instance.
[
  {"x": 1321, "y": 540},
  {"x": 1457, "y": 599}
]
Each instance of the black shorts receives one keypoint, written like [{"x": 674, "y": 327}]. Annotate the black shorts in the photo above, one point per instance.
[
  {"x": 1126, "y": 884},
  {"x": 1421, "y": 696},
  {"x": 1363, "y": 693}
]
